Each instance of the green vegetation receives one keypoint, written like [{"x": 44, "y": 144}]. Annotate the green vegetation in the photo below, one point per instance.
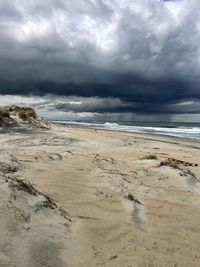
[
  {"x": 4, "y": 113},
  {"x": 24, "y": 113},
  {"x": 27, "y": 113},
  {"x": 15, "y": 116}
]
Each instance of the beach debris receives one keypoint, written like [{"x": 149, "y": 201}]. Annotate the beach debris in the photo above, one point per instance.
[
  {"x": 99, "y": 192},
  {"x": 23, "y": 185},
  {"x": 175, "y": 163},
  {"x": 191, "y": 174},
  {"x": 87, "y": 217},
  {"x": 69, "y": 152},
  {"x": 7, "y": 168},
  {"x": 55, "y": 156},
  {"x": 170, "y": 163},
  {"x": 65, "y": 214},
  {"x": 109, "y": 160},
  {"x": 150, "y": 157},
  {"x": 126, "y": 180},
  {"x": 113, "y": 257},
  {"x": 131, "y": 197}
]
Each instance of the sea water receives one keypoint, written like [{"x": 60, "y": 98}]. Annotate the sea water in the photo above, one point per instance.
[{"x": 181, "y": 130}]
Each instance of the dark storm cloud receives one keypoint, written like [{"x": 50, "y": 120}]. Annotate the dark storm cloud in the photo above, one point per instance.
[
  {"x": 94, "y": 104},
  {"x": 138, "y": 94},
  {"x": 144, "y": 54}
]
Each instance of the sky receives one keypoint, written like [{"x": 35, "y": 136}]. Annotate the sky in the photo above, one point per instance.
[{"x": 102, "y": 59}]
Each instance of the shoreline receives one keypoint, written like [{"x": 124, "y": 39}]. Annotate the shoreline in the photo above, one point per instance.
[
  {"x": 126, "y": 131},
  {"x": 148, "y": 136}
]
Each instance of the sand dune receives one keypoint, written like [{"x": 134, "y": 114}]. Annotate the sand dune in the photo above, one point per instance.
[{"x": 118, "y": 199}]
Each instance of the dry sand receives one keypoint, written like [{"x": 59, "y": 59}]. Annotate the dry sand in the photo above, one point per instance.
[{"x": 122, "y": 199}]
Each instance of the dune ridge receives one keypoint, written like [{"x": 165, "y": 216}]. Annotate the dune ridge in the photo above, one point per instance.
[{"x": 21, "y": 117}]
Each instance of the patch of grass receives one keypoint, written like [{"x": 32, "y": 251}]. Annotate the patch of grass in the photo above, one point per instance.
[
  {"x": 150, "y": 157},
  {"x": 23, "y": 185},
  {"x": 4, "y": 113},
  {"x": 24, "y": 113},
  {"x": 7, "y": 168},
  {"x": 174, "y": 164},
  {"x": 27, "y": 114},
  {"x": 26, "y": 186},
  {"x": 131, "y": 197}
]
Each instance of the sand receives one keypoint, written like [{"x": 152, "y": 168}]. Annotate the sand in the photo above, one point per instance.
[{"x": 121, "y": 199}]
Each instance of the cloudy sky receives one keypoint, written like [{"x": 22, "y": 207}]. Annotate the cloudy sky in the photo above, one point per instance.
[{"x": 102, "y": 59}]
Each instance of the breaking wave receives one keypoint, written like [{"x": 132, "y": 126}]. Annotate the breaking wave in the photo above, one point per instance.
[{"x": 180, "y": 131}]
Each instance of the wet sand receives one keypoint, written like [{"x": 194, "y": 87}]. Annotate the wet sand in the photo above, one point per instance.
[{"x": 122, "y": 199}]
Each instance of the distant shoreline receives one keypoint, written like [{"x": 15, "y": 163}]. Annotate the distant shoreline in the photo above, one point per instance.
[{"x": 190, "y": 133}]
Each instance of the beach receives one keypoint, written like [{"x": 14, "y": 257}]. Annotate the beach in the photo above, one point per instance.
[{"x": 94, "y": 197}]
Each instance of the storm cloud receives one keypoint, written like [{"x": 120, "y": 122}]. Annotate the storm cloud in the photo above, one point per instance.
[{"x": 118, "y": 56}]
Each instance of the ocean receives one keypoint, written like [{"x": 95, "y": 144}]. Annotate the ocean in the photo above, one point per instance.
[{"x": 181, "y": 130}]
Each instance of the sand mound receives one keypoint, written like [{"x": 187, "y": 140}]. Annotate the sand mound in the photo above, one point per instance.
[
  {"x": 34, "y": 230},
  {"x": 22, "y": 117}
]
